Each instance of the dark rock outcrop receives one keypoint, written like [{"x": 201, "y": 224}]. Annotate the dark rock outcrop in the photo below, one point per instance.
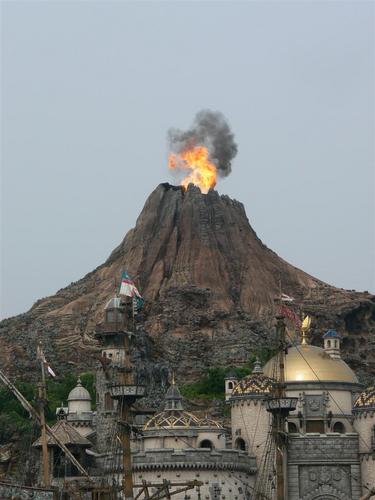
[{"x": 209, "y": 284}]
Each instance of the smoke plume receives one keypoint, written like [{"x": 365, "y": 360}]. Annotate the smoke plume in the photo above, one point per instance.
[{"x": 209, "y": 129}]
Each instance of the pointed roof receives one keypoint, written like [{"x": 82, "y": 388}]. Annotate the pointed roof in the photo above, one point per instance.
[
  {"x": 256, "y": 384},
  {"x": 65, "y": 433},
  {"x": 366, "y": 399},
  {"x": 331, "y": 334}
]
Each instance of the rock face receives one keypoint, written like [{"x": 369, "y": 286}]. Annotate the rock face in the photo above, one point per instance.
[{"x": 209, "y": 284}]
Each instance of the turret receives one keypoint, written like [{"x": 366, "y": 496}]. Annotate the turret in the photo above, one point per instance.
[
  {"x": 230, "y": 381},
  {"x": 79, "y": 399},
  {"x": 332, "y": 343}
]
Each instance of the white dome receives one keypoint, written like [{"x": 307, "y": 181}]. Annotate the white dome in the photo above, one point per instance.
[{"x": 79, "y": 393}]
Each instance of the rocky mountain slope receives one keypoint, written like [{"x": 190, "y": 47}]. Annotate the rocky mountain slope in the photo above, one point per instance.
[{"x": 209, "y": 284}]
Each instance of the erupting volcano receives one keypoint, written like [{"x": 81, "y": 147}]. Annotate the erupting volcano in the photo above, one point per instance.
[
  {"x": 209, "y": 284},
  {"x": 204, "y": 152},
  {"x": 203, "y": 173}
]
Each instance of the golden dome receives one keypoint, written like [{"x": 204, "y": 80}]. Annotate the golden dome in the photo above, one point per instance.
[
  {"x": 308, "y": 363},
  {"x": 366, "y": 399}
]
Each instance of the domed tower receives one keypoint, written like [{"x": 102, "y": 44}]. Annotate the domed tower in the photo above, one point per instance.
[
  {"x": 180, "y": 446},
  {"x": 79, "y": 409},
  {"x": 250, "y": 419},
  {"x": 322, "y": 445},
  {"x": 364, "y": 423}
]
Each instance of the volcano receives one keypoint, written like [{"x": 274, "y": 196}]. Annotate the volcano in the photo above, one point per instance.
[{"x": 209, "y": 285}]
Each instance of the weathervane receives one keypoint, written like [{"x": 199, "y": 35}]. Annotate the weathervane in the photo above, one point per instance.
[{"x": 306, "y": 323}]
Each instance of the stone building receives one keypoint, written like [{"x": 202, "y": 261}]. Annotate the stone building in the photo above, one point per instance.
[
  {"x": 61, "y": 469},
  {"x": 364, "y": 423},
  {"x": 330, "y": 451},
  {"x": 180, "y": 446},
  {"x": 325, "y": 457}
]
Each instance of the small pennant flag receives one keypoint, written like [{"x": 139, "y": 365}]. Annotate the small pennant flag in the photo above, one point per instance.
[
  {"x": 286, "y": 298},
  {"x": 41, "y": 357},
  {"x": 288, "y": 313}
]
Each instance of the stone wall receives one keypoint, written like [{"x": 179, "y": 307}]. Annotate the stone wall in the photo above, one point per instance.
[
  {"x": 225, "y": 474},
  {"x": 364, "y": 424},
  {"x": 324, "y": 465},
  {"x": 11, "y": 492}
]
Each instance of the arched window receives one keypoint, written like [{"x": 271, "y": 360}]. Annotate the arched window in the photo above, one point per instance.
[
  {"x": 206, "y": 443},
  {"x": 339, "y": 427},
  {"x": 328, "y": 343},
  {"x": 335, "y": 343},
  {"x": 240, "y": 444},
  {"x": 292, "y": 428},
  {"x": 230, "y": 385}
]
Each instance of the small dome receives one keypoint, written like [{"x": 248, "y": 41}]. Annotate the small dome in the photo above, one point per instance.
[
  {"x": 331, "y": 334},
  {"x": 79, "y": 393},
  {"x": 255, "y": 384},
  {"x": 174, "y": 415},
  {"x": 113, "y": 303},
  {"x": 308, "y": 363},
  {"x": 172, "y": 419},
  {"x": 210, "y": 422},
  {"x": 366, "y": 399}
]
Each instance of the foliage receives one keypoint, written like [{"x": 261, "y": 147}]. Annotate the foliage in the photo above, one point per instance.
[
  {"x": 15, "y": 420},
  {"x": 212, "y": 385}
]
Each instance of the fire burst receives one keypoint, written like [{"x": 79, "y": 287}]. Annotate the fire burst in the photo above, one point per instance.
[{"x": 202, "y": 172}]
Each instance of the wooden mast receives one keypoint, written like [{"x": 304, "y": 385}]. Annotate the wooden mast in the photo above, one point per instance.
[
  {"x": 279, "y": 418},
  {"x": 42, "y": 401},
  {"x": 280, "y": 405}
]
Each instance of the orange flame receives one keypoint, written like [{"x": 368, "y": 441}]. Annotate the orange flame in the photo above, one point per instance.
[{"x": 202, "y": 171}]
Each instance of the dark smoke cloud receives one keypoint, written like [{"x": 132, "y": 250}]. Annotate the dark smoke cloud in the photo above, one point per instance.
[{"x": 209, "y": 129}]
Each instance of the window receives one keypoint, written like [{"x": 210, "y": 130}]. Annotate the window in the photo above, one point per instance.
[
  {"x": 110, "y": 316},
  {"x": 240, "y": 444},
  {"x": 292, "y": 428},
  {"x": 328, "y": 343},
  {"x": 315, "y": 426},
  {"x": 230, "y": 385},
  {"x": 206, "y": 443},
  {"x": 339, "y": 427},
  {"x": 58, "y": 462}
]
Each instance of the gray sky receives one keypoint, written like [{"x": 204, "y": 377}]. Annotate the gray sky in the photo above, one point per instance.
[{"x": 90, "y": 89}]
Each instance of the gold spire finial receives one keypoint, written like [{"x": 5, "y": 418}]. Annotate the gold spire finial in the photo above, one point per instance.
[{"x": 305, "y": 327}]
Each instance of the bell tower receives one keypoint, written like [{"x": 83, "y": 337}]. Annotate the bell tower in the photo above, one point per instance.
[{"x": 332, "y": 343}]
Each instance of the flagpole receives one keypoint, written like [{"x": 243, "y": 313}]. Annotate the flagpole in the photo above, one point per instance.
[{"x": 42, "y": 400}]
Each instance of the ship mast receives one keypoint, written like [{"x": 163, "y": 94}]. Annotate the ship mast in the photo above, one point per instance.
[
  {"x": 279, "y": 406},
  {"x": 42, "y": 402},
  {"x": 116, "y": 335},
  {"x": 34, "y": 413}
]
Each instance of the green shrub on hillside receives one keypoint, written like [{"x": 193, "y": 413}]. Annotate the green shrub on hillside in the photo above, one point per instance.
[
  {"x": 15, "y": 419},
  {"x": 212, "y": 385}
]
